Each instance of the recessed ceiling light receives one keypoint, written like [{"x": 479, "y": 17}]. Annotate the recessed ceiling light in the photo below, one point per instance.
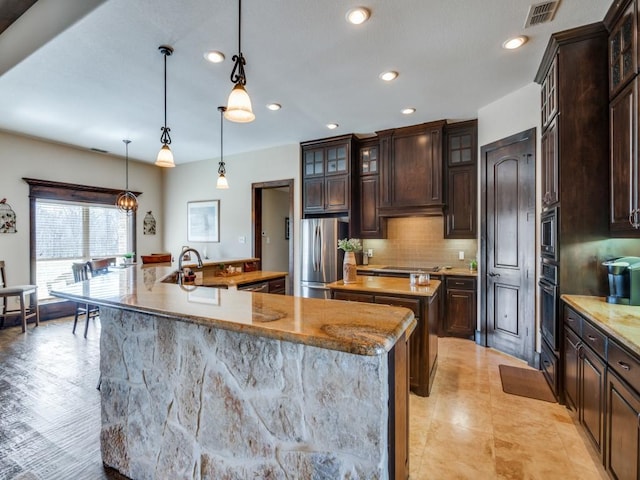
[
  {"x": 515, "y": 42},
  {"x": 214, "y": 56},
  {"x": 332, "y": 126},
  {"x": 408, "y": 111},
  {"x": 388, "y": 76},
  {"x": 274, "y": 106},
  {"x": 358, "y": 15}
]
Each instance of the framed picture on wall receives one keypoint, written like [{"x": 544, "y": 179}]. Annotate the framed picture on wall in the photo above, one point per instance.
[{"x": 203, "y": 221}]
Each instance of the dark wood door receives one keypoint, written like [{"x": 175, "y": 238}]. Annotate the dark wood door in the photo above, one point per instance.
[
  {"x": 508, "y": 245},
  {"x": 550, "y": 166},
  {"x": 623, "y": 431},
  {"x": 571, "y": 364},
  {"x": 591, "y": 396},
  {"x": 623, "y": 163}
]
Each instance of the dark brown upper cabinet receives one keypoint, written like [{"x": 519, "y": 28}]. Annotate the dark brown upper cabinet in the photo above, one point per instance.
[
  {"x": 411, "y": 170},
  {"x": 624, "y": 171},
  {"x": 461, "y": 178},
  {"x": 327, "y": 167},
  {"x": 622, "y": 22},
  {"x": 550, "y": 165},
  {"x": 369, "y": 224}
]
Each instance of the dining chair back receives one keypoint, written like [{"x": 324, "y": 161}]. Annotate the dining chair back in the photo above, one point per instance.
[
  {"x": 21, "y": 292},
  {"x": 81, "y": 273}
]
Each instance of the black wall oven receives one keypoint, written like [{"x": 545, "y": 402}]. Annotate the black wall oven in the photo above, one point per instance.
[
  {"x": 549, "y": 305},
  {"x": 549, "y": 234}
]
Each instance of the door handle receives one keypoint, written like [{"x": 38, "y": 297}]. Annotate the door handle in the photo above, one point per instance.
[{"x": 493, "y": 274}]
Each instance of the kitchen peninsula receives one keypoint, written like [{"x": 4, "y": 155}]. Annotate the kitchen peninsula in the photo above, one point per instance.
[
  {"x": 201, "y": 383},
  {"x": 422, "y": 300}
]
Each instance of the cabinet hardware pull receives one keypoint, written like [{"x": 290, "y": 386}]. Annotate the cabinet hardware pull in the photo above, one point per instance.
[
  {"x": 639, "y": 420},
  {"x": 624, "y": 366},
  {"x": 592, "y": 338},
  {"x": 493, "y": 274},
  {"x": 633, "y": 218}
]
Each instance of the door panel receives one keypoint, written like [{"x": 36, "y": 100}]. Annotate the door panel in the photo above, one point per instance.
[{"x": 508, "y": 245}]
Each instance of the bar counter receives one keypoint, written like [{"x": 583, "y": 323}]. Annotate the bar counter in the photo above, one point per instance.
[{"x": 200, "y": 382}]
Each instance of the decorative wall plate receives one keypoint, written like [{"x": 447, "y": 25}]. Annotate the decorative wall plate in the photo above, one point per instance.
[
  {"x": 7, "y": 217},
  {"x": 149, "y": 224}
]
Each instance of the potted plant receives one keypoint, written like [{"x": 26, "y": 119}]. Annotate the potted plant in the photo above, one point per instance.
[
  {"x": 128, "y": 257},
  {"x": 350, "y": 246}
]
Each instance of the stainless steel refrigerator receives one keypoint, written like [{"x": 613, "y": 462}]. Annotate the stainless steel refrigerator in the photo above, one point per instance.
[{"x": 321, "y": 259}]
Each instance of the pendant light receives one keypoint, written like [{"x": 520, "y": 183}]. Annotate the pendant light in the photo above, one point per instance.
[
  {"x": 127, "y": 201},
  {"x": 165, "y": 157},
  {"x": 222, "y": 183},
  {"x": 239, "y": 104}
]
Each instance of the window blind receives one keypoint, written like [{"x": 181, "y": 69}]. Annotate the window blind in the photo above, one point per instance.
[{"x": 68, "y": 232}]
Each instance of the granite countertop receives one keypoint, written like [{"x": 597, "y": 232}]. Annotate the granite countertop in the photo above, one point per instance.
[
  {"x": 210, "y": 262},
  {"x": 211, "y": 280},
  {"x": 363, "y": 329},
  {"x": 392, "y": 285},
  {"x": 622, "y": 322},
  {"x": 457, "y": 271}
]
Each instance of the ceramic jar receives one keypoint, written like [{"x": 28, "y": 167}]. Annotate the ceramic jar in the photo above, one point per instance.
[{"x": 349, "y": 268}]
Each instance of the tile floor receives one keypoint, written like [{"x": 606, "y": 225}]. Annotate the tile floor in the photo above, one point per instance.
[{"x": 468, "y": 428}]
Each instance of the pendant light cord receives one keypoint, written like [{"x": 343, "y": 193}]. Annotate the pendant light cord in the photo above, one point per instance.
[
  {"x": 165, "y": 138},
  {"x": 237, "y": 74},
  {"x": 221, "y": 167},
  {"x": 126, "y": 163},
  {"x": 239, "y": 26}
]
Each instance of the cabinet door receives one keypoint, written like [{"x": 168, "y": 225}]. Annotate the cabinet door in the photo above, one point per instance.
[
  {"x": 623, "y": 57},
  {"x": 571, "y": 364},
  {"x": 591, "y": 395},
  {"x": 337, "y": 159},
  {"x": 549, "y": 94},
  {"x": 623, "y": 162},
  {"x": 461, "y": 212},
  {"x": 313, "y": 194},
  {"x": 369, "y": 218},
  {"x": 338, "y": 193},
  {"x": 416, "y": 176},
  {"x": 460, "y": 320},
  {"x": 623, "y": 430},
  {"x": 550, "y": 165}
]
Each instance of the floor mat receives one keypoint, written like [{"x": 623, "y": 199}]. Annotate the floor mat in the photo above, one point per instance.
[{"x": 525, "y": 383}]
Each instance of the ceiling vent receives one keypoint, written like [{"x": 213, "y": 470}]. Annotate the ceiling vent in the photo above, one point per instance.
[{"x": 541, "y": 13}]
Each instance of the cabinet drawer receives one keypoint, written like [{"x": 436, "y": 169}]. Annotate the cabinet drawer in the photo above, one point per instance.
[
  {"x": 549, "y": 367},
  {"x": 276, "y": 285},
  {"x": 625, "y": 365},
  {"x": 410, "y": 303},
  {"x": 461, "y": 283},
  {"x": 596, "y": 340},
  {"x": 353, "y": 297},
  {"x": 573, "y": 320}
]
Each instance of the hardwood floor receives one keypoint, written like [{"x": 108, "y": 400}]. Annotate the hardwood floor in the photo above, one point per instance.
[{"x": 467, "y": 428}]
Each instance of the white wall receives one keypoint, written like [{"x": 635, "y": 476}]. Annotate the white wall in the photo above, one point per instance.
[
  {"x": 197, "y": 181},
  {"x": 514, "y": 113},
  {"x": 27, "y": 157}
]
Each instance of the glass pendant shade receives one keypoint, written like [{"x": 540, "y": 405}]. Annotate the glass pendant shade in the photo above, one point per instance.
[
  {"x": 239, "y": 106},
  {"x": 165, "y": 157},
  {"x": 222, "y": 183}
]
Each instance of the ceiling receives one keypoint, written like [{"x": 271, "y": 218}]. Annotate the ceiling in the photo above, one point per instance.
[{"x": 89, "y": 73}]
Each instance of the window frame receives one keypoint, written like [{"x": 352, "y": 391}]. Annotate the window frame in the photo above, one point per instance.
[{"x": 50, "y": 190}]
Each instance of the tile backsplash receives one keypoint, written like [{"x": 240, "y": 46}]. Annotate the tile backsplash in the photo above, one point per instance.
[{"x": 419, "y": 241}]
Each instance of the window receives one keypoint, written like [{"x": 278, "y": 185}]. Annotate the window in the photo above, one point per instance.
[
  {"x": 68, "y": 232},
  {"x": 73, "y": 223}
]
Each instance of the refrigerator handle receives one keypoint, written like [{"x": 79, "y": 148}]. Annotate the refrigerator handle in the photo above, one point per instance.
[{"x": 317, "y": 248}]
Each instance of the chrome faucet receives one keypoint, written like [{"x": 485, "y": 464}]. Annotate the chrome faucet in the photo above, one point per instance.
[{"x": 200, "y": 265}]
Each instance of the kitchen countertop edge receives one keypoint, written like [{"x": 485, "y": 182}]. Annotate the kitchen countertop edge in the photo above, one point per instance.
[{"x": 621, "y": 322}]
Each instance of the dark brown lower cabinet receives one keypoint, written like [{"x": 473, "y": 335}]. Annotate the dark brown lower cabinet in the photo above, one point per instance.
[
  {"x": 460, "y": 319},
  {"x": 623, "y": 430},
  {"x": 399, "y": 410},
  {"x": 591, "y": 385},
  {"x": 423, "y": 342},
  {"x": 571, "y": 367}
]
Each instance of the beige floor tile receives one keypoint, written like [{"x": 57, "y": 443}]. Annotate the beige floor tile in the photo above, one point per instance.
[{"x": 469, "y": 428}]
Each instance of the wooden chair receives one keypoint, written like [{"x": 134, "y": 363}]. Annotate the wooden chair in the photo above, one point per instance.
[
  {"x": 100, "y": 266},
  {"x": 81, "y": 273},
  {"x": 20, "y": 291}
]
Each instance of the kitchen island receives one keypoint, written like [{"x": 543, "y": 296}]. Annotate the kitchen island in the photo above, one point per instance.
[
  {"x": 422, "y": 300},
  {"x": 207, "y": 383}
]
